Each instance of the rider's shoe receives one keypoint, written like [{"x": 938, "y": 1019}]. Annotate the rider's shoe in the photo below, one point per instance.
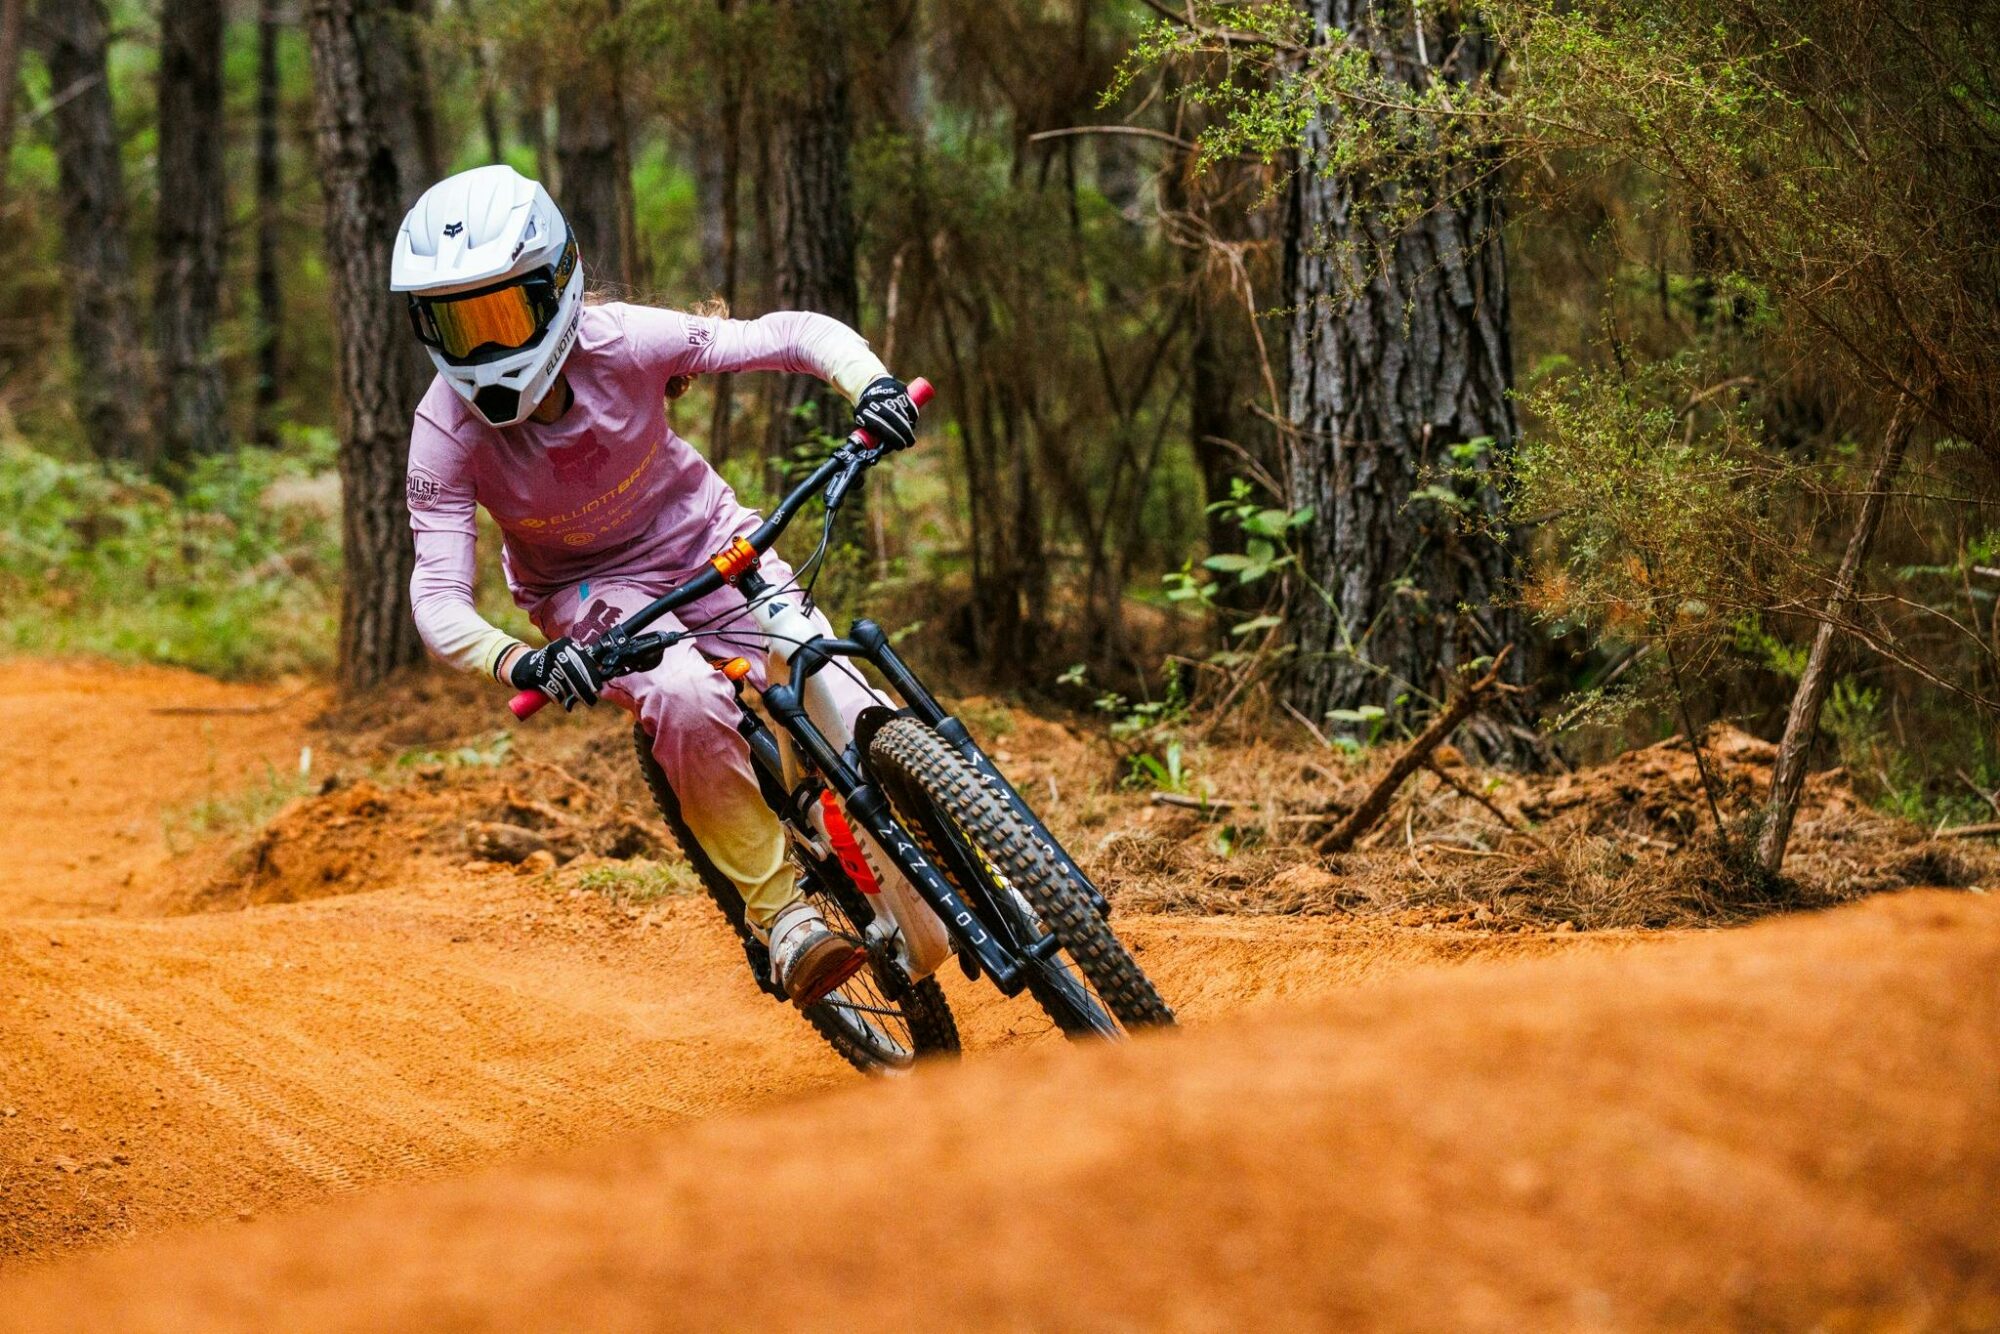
[{"x": 808, "y": 957}]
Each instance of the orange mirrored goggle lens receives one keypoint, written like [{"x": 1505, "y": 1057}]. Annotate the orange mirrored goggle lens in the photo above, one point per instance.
[{"x": 505, "y": 318}]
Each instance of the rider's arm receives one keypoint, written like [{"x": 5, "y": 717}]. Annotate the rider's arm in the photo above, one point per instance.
[
  {"x": 669, "y": 343},
  {"x": 443, "y": 523}
]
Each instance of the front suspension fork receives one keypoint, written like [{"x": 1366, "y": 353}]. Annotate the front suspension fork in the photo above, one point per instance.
[
  {"x": 880, "y": 652},
  {"x": 867, "y": 807}
]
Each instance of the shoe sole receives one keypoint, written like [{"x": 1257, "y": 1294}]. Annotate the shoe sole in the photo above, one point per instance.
[{"x": 839, "y": 973}]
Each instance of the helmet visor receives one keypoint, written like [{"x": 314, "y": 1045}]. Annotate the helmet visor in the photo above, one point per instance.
[
  {"x": 470, "y": 327},
  {"x": 504, "y": 321}
]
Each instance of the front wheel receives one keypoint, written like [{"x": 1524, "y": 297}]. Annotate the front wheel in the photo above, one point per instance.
[
  {"x": 879, "y": 1021},
  {"x": 997, "y": 859}
]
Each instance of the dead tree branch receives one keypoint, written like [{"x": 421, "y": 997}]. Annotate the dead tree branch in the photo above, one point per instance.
[{"x": 1373, "y": 806}]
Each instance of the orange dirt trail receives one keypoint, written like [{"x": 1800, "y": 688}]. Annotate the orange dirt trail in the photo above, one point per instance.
[
  {"x": 158, "y": 1070},
  {"x": 1786, "y": 1125}
]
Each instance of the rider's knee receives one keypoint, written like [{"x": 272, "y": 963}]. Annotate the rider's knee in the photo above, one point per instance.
[{"x": 690, "y": 709}]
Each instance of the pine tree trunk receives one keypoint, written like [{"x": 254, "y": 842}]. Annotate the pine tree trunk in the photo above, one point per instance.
[
  {"x": 110, "y": 370},
  {"x": 269, "y": 327},
  {"x": 380, "y": 372},
  {"x": 811, "y": 207},
  {"x": 594, "y": 156},
  {"x": 1399, "y": 351},
  {"x": 718, "y": 159},
  {"x": 188, "y": 233},
  {"x": 403, "y": 80},
  {"x": 13, "y": 24}
]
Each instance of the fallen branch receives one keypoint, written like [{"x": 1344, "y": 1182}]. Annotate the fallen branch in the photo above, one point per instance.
[
  {"x": 1187, "y": 803},
  {"x": 1376, "y": 804},
  {"x": 1970, "y": 831},
  {"x": 230, "y": 710},
  {"x": 1471, "y": 793}
]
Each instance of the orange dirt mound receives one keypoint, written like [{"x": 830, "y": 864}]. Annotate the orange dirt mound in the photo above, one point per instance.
[{"x": 1786, "y": 1126}]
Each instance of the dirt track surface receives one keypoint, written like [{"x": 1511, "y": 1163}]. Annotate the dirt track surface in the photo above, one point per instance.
[
  {"x": 94, "y": 758},
  {"x": 159, "y": 1070},
  {"x": 1783, "y": 1125}
]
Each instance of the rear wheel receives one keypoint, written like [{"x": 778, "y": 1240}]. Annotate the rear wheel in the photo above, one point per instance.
[
  {"x": 997, "y": 859},
  {"x": 878, "y": 1020}
]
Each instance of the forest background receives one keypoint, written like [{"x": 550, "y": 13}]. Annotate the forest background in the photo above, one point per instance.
[{"x": 1295, "y": 359}]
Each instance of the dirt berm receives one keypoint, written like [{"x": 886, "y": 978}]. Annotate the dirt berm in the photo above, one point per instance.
[{"x": 1789, "y": 1126}]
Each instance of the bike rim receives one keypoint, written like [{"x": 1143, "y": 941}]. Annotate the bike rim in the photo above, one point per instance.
[{"x": 860, "y": 1005}]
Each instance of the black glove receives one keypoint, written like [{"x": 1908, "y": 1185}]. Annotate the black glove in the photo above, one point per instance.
[
  {"x": 886, "y": 413},
  {"x": 560, "y": 670}
]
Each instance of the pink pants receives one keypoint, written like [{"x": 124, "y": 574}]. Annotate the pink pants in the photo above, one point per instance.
[{"x": 690, "y": 709}]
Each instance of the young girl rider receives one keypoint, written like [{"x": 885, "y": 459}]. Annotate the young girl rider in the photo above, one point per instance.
[{"x": 551, "y": 413}]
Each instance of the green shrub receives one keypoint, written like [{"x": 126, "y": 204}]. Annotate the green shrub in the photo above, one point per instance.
[{"x": 229, "y": 577}]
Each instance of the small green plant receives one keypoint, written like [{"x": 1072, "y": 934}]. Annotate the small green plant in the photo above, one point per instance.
[
  {"x": 1164, "y": 772},
  {"x": 1371, "y": 719},
  {"x": 247, "y": 808},
  {"x": 487, "y": 752},
  {"x": 638, "y": 881}
]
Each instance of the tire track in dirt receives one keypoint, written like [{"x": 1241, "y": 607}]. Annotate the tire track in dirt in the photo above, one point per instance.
[{"x": 255, "y": 1112}]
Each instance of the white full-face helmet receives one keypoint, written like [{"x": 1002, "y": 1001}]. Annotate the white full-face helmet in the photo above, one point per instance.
[{"x": 495, "y": 288}]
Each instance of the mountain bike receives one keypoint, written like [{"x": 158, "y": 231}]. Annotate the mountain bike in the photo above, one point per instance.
[{"x": 905, "y": 833}]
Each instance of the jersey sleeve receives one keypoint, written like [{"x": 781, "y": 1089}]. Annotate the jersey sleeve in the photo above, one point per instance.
[
  {"x": 444, "y": 525},
  {"x": 667, "y": 343}
]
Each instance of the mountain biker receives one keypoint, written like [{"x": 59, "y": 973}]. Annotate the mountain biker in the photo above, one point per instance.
[{"x": 550, "y": 412}]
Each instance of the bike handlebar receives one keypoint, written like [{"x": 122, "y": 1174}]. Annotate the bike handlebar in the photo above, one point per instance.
[{"x": 861, "y": 451}]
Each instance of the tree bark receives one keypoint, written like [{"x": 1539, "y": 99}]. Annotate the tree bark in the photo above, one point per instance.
[
  {"x": 402, "y": 78},
  {"x": 594, "y": 156},
  {"x": 1399, "y": 351},
  {"x": 811, "y": 205},
  {"x": 110, "y": 371},
  {"x": 1788, "y": 775},
  {"x": 718, "y": 186},
  {"x": 189, "y": 230},
  {"x": 13, "y": 22},
  {"x": 270, "y": 204},
  {"x": 380, "y": 372}
]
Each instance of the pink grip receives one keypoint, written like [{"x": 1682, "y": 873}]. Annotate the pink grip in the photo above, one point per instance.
[
  {"x": 528, "y": 703},
  {"x": 920, "y": 391}
]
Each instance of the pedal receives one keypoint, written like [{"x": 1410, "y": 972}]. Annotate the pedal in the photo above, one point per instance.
[{"x": 837, "y": 977}]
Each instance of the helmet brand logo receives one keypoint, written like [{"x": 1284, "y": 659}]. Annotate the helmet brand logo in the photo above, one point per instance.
[{"x": 453, "y": 228}]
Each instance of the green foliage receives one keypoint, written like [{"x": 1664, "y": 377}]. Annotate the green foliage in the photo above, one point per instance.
[
  {"x": 246, "y": 808},
  {"x": 487, "y": 752},
  {"x": 1657, "y": 520},
  {"x": 236, "y": 576},
  {"x": 1162, "y": 772},
  {"x": 1753, "y": 641},
  {"x": 638, "y": 882}
]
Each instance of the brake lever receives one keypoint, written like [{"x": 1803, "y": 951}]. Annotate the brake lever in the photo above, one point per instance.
[
  {"x": 857, "y": 464},
  {"x": 619, "y": 654}
]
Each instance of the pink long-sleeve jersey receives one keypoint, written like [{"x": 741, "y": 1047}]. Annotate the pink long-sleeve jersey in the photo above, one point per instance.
[{"x": 606, "y": 491}]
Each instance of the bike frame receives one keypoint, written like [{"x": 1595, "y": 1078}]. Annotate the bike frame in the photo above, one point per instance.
[{"x": 797, "y": 646}]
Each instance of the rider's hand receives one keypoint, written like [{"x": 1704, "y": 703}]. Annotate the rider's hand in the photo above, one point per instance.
[
  {"x": 560, "y": 670},
  {"x": 886, "y": 412}
]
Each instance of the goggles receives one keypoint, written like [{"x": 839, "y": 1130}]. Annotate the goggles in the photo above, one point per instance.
[{"x": 471, "y": 327}]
